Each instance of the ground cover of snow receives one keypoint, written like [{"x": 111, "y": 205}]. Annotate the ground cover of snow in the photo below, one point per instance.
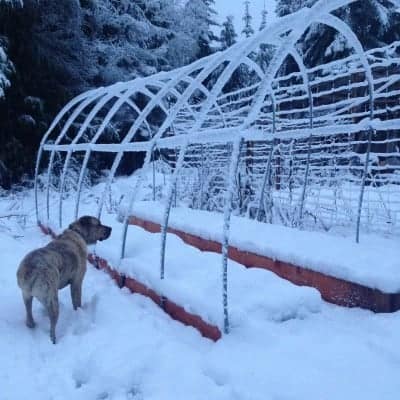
[{"x": 122, "y": 346}]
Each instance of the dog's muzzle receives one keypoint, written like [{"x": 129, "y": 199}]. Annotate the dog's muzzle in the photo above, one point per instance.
[{"x": 107, "y": 233}]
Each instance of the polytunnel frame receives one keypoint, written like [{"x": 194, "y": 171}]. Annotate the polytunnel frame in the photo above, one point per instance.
[
  {"x": 275, "y": 64},
  {"x": 320, "y": 13}
]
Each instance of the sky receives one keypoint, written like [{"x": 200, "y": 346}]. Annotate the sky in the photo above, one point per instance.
[{"x": 236, "y": 8}]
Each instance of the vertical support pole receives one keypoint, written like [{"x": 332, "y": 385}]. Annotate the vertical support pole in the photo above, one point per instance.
[
  {"x": 233, "y": 168},
  {"x": 154, "y": 178},
  {"x": 306, "y": 175},
  {"x": 201, "y": 177},
  {"x": 62, "y": 184},
  {"x": 307, "y": 172},
  {"x": 175, "y": 195},
  {"x": 80, "y": 182},
  {"x": 269, "y": 162},
  {"x": 266, "y": 179},
  {"x": 37, "y": 166},
  {"x": 133, "y": 196},
  {"x": 176, "y": 185},
  {"x": 49, "y": 176},
  {"x": 364, "y": 178},
  {"x": 370, "y": 133},
  {"x": 170, "y": 195}
]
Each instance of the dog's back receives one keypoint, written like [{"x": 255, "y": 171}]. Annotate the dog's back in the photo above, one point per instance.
[{"x": 38, "y": 274}]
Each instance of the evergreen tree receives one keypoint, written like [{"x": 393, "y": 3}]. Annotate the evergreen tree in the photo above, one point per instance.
[
  {"x": 247, "y": 18},
  {"x": 60, "y": 48},
  {"x": 200, "y": 16},
  {"x": 228, "y": 33},
  {"x": 265, "y": 52},
  {"x": 375, "y": 22},
  {"x": 6, "y": 66},
  {"x": 264, "y": 14},
  {"x": 285, "y": 7}
]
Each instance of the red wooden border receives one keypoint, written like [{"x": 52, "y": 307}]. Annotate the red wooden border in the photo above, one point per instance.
[
  {"x": 333, "y": 290},
  {"x": 174, "y": 310}
]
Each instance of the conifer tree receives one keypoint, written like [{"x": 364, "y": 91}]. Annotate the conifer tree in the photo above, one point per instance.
[
  {"x": 247, "y": 18},
  {"x": 228, "y": 33},
  {"x": 203, "y": 14},
  {"x": 264, "y": 14},
  {"x": 285, "y": 7},
  {"x": 60, "y": 48},
  {"x": 375, "y": 23},
  {"x": 6, "y": 66}
]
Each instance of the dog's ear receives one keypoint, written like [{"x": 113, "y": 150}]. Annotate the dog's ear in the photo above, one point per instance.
[{"x": 86, "y": 220}]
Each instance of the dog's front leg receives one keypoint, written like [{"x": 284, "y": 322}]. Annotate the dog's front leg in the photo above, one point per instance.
[
  {"x": 76, "y": 293},
  {"x": 30, "y": 323}
]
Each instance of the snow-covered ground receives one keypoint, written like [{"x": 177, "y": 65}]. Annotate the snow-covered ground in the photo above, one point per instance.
[{"x": 285, "y": 344}]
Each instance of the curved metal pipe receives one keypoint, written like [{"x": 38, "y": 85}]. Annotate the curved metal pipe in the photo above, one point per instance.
[
  {"x": 67, "y": 125},
  {"x": 123, "y": 99},
  {"x": 172, "y": 114},
  {"x": 58, "y": 118},
  {"x": 167, "y": 211}
]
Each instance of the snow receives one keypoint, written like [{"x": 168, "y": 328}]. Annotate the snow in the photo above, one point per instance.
[
  {"x": 285, "y": 343},
  {"x": 4, "y": 82},
  {"x": 190, "y": 274},
  {"x": 364, "y": 263}
]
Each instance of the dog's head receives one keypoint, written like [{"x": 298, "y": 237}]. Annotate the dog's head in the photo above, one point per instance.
[{"x": 91, "y": 229}]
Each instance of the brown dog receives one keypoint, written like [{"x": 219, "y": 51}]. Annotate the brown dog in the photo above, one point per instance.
[{"x": 62, "y": 262}]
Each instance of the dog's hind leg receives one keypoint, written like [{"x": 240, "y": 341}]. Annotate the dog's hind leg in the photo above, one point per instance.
[
  {"x": 30, "y": 323},
  {"x": 52, "y": 308}
]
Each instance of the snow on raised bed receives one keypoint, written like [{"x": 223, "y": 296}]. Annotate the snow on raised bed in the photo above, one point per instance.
[
  {"x": 193, "y": 280},
  {"x": 375, "y": 262}
]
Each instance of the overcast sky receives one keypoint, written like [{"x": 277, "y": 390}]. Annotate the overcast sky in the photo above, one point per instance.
[{"x": 236, "y": 8}]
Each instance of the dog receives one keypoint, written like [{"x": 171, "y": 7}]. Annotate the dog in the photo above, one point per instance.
[{"x": 62, "y": 262}]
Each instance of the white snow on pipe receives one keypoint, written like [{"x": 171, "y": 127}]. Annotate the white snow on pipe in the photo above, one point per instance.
[
  {"x": 75, "y": 114},
  {"x": 58, "y": 118},
  {"x": 225, "y": 135},
  {"x": 235, "y": 158},
  {"x": 173, "y": 112}
]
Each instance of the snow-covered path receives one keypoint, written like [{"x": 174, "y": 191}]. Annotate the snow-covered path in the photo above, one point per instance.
[{"x": 121, "y": 346}]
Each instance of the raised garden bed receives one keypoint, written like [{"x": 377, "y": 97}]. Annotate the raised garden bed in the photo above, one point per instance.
[{"x": 334, "y": 289}]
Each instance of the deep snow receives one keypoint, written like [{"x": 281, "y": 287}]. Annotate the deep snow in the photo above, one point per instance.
[{"x": 122, "y": 346}]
